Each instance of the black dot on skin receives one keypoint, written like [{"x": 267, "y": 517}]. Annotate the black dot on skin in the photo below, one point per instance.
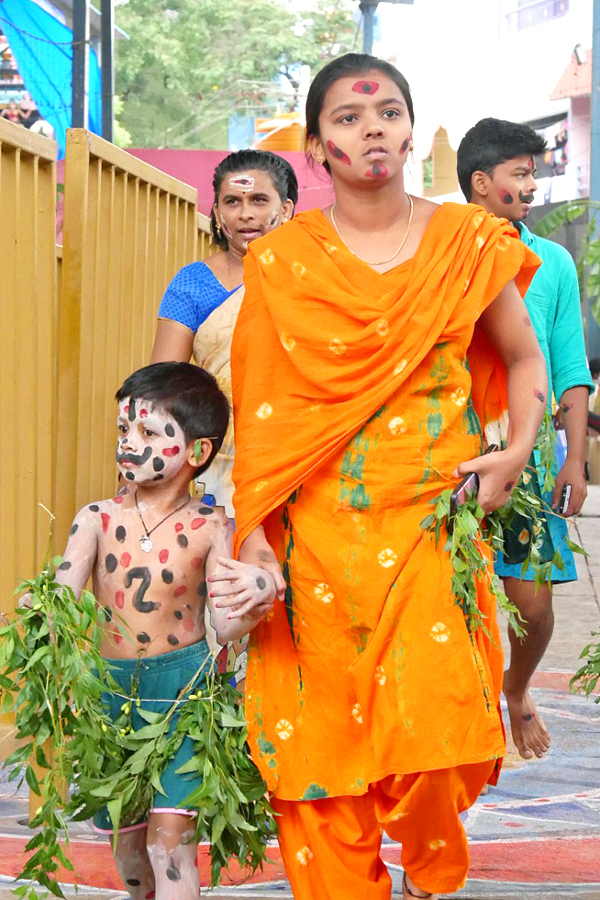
[
  {"x": 169, "y": 430},
  {"x": 202, "y": 590},
  {"x": 173, "y": 873},
  {"x": 366, "y": 88},
  {"x": 111, "y": 562},
  {"x": 261, "y": 583},
  {"x": 376, "y": 170},
  {"x": 143, "y": 638},
  {"x": 158, "y": 464},
  {"x": 167, "y": 576},
  {"x": 107, "y": 613},
  {"x": 337, "y": 153},
  {"x": 158, "y": 477},
  {"x": 129, "y": 476},
  {"x": 206, "y": 510},
  {"x": 178, "y": 614},
  {"x": 74, "y": 529},
  {"x": 172, "y": 640},
  {"x": 134, "y": 882},
  {"x": 64, "y": 566},
  {"x": 94, "y": 507},
  {"x": 182, "y": 540},
  {"x": 120, "y": 533}
]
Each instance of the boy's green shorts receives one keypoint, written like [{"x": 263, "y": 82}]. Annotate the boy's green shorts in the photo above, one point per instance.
[{"x": 160, "y": 679}]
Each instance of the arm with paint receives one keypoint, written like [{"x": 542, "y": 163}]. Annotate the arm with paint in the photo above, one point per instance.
[
  {"x": 527, "y": 392},
  {"x": 239, "y": 594}
]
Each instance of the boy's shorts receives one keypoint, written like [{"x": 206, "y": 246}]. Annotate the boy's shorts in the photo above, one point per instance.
[{"x": 161, "y": 678}]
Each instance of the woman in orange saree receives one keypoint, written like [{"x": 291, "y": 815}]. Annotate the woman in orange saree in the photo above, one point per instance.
[{"x": 359, "y": 385}]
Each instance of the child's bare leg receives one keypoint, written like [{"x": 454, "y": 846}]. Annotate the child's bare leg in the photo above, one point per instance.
[
  {"x": 133, "y": 864},
  {"x": 173, "y": 855}
]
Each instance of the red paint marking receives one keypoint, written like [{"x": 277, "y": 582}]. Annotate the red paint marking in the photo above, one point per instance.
[
  {"x": 163, "y": 556},
  {"x": 152, "y": 894},
  {"x": 197, "y": 562},
  {"x": 188, "y": 625},
  {"x": 365, "y": 87},
  {"x": 126, "y": 409},
  {"x": 197, "y": 523},
  {"x": 338, "y": 153},
  {"x": 179, "y": 591},
  {"x": 118, "y": 637},
  {"x": 105, "y": 520},
  {"x": 125, "y": 559},
  {"x": 120, "y": 599},
  {"x": 171, "y": 451},
  {"x": 377, "y": 170},
  {"x": 118, "y": 499},
  {"x": 143, "y": 412},
  {"x": 178, "y": 526},
  {"x": 514, "y": 824}
]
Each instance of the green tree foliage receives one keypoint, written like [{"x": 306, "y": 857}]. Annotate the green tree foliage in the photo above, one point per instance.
[{"x": 189, "y": 65}]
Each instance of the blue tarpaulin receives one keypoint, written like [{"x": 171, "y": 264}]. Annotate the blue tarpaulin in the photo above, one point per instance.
[{"x": 42, "y": 48}]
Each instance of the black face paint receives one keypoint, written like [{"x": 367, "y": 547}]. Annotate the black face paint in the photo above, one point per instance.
[
  {"x": 134, "y": 882},
  {"x": 173, "y": 873},
  {"x": 74, "y": 529},
  {"x": 167, "y": 576},
  {"x": 107, "y": 613},
  {"x": 202, "y": 590},
  {"x": 143, "y": 638},
  {"x": 182, "y": 540},
  {"x": 261, "y": 583},
  {"x": 143, "y": 573},
  {"x": 110, "y": 562},
  {"x": 120, "y": 533},
  {"x": 172, "y": 640},
  {"x": 133, "y": 458},
  {"x": 158, "y": 464},
  {"x": 129, "y": 476},
  {"x": 178, "y": 614},
  {"x": 526, "y": 198},
  {"x": 131, "y": 411},
  {"x": 169, "y": 430},
  {"x": 158, "y": 478},
  {"x": 507, "y": 198},
  {"x": 64, "y": 566},
  {"x": 93, "y": 507},
  {"x": 206, "y": 510}
]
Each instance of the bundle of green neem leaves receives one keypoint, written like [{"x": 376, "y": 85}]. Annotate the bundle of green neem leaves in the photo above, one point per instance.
[
  {"x": 470, "y": 530},
  {"x": 77, "y": 760}
]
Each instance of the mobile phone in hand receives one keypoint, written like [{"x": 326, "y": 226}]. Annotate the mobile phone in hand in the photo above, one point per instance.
[
  {"x": 467, "y": 488},
  {"x": 565, "y": 499}
]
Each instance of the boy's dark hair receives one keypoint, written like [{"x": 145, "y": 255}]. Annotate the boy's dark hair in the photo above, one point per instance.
[
  {"x": 189, "y": 394},
  {"x": 277, "y": 168},
  {"x": 491, "y": 142},
  {"x": 349, "y": 64}
]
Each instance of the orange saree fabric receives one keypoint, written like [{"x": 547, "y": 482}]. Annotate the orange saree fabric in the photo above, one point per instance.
[{"x": 353, "y": 405}]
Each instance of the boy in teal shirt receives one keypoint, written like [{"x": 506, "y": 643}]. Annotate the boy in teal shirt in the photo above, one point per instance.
[{"x": 496, "y": 167}]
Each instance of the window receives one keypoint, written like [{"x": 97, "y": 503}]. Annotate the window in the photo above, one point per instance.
[{"x": 535, "y": 12}]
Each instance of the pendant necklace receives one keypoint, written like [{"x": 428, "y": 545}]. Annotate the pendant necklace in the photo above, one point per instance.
[
  {"x": 145, "y": 542},
  {"x": 381, "y": 262}
]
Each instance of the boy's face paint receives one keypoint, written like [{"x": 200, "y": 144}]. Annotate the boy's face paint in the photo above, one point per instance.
[
  {"x": 365, "y": 87},
  {"x": 151, "y": 445},
  {"x": 512, "y": 188},
  {"x": 338, "y": 153}
]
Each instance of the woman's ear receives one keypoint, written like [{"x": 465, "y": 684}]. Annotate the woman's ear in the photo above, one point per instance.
[
  {"x": 315, "y": 148},
  {"x": 287, "y": 210}
]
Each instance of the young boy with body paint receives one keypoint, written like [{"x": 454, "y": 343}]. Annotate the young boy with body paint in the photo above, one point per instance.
[
  {"x": 150, "y": 554},
  {"x": 496, "y": 168}
]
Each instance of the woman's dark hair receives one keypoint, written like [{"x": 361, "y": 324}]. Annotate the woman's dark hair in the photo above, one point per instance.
[
  {"x": 491, "y": 142},
  {"x": 279, "y": 170},
  {"x": 350, "y": 64},
  {"x": 188, "y": 393}
]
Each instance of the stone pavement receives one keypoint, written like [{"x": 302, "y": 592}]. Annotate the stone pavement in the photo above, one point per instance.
[{"x": 536, "y": 835}]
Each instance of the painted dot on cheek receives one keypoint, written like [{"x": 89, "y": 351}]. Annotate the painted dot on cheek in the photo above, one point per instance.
[
  {"x": 404, "y": 146},
  {"x": 171, "y": 451},
  {"x": 338, "y": 153},
  {"x": 507, "y": 198},
  {"x": 169, "y": 430}
]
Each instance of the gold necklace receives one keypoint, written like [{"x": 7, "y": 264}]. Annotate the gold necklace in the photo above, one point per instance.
[{"x": 394, "y": 255}]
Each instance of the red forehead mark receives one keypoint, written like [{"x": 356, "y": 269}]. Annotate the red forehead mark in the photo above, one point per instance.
[
  {"x": 120, "y": 599},
  {"x": 377, "y": 170},
  {"x": 339, "y": 154},
  {"x": 365, "y": 87},
  {"x": 178, "y": 526},
  {"x": 163, "y": 556},
  {"x": 179, "y": 591},
  {"x": 171, "y": 451},
  {"x": 143, "y": 413},
  {"x": 197, "y": 523},
  {"x": 105, "y": 520},
  {"x": 125, "y": 559}
]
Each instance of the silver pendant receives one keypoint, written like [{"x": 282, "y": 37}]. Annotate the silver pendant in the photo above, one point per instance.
[{"x": 145, "y": 543}]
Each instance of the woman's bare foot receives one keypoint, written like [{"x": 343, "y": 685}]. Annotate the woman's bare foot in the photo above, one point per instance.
[
  {"x": 410, "y": 890},
  {"x": 528, "y": 730}
]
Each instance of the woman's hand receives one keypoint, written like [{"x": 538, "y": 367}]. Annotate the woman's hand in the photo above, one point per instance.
[
  {"x": 498, "y": 473},
  {"x": 257, "y": 551},
  {"x": 247, "y": 590}
]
